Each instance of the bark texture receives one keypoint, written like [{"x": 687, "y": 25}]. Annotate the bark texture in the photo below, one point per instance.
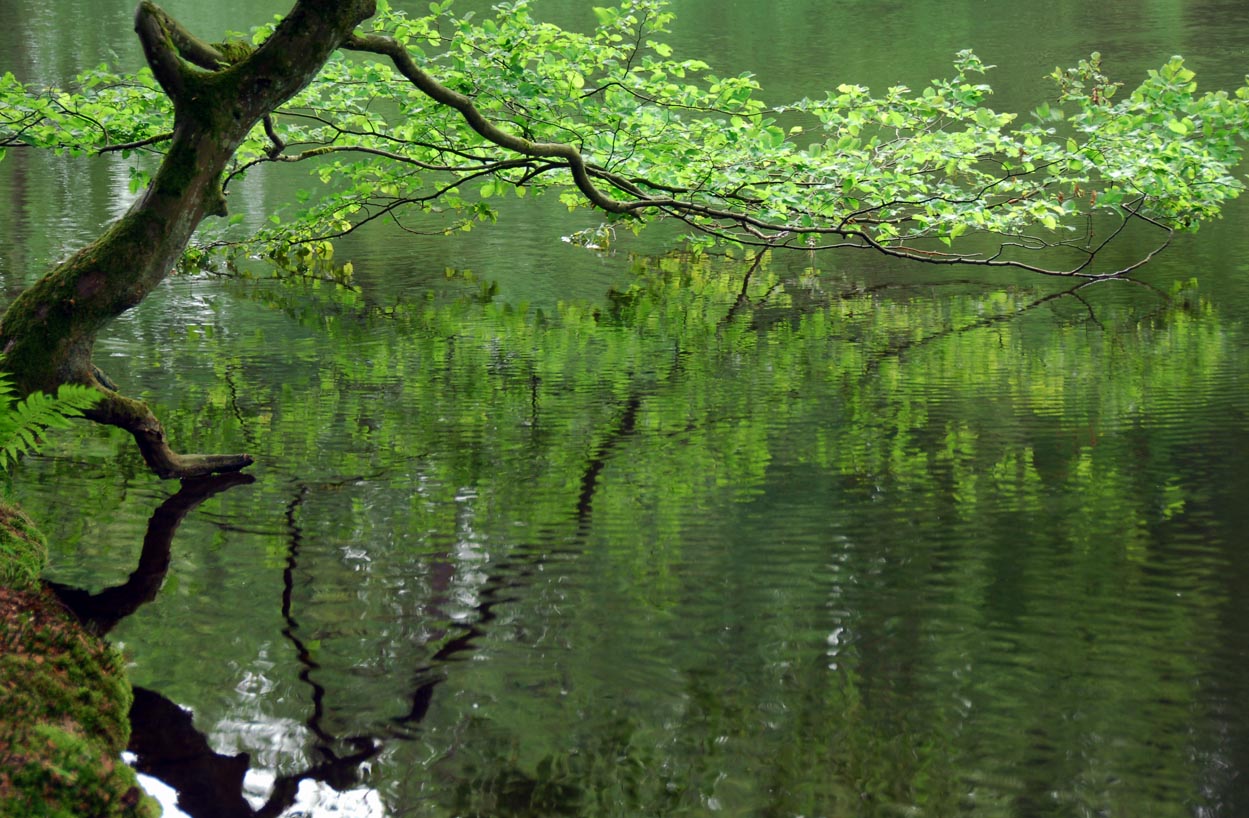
[{"x": 48, "y": 333}]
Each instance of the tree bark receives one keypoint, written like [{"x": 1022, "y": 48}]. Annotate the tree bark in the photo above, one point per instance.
[{"x": 47, "y": 334}]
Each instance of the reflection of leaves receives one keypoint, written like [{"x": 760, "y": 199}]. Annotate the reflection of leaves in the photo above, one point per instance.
[
  {"x": 610, "y": 771},
  {"x": 1006, "y": 437},
  {"x": 469, "y": 382}
]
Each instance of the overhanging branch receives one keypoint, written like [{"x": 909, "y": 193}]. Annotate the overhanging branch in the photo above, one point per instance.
[{"x": 387, "y": 47}]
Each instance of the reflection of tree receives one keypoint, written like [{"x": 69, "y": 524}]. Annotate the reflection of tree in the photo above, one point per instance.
[
  {"x": 102, "y": 611},
  {"x": 210, "y": 784},
  {"x": 984, "y": 490},
  {"x": 710, "y": 391},
  {"x": 170, "y": 748},
  {"x": 163, "y": 736},
  {"x": 326, "y": 741}
]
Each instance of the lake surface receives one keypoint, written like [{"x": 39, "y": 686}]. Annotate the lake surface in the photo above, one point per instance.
[{"x": 539, "y": 532}]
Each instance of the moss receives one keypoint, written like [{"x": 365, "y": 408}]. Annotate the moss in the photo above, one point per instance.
[
  {"x": 235, "y": 51},
  {"x": 66, "y": 777},
  {"x": 178, "y": 170},
  {"x": 53, "y": 321},
  {"x": 23, "y": 550},
  {"x": 64, "y": 716}
]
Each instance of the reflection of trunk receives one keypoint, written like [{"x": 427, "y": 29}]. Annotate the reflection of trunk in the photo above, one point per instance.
[
  {"x": 48, "y": 333},
  {"x": 164, "y": 737},
  {"x": 101, "y": 611},
  {"x": 210, "y": 784},
  {"x": 510, "y": 575},
  {"x": 589, "y": 478},
  {"x": 162, "y": 734}
]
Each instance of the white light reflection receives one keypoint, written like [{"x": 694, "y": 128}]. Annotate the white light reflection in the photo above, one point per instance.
[
  {"x": 315, "y": 799},
  {"x": 164, "y": 794},
  {"x": 318, "y": 799}
]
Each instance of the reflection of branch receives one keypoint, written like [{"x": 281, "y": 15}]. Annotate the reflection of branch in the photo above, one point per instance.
[
  {"x": 102, "y": 611},
  {"x": 742, "y": 299},
  {"x": 303, "y": 653},
  {"x": 237, "y": 410},
  {"x": 509, "y": 574},
  {"x": 589, "y": 478},
  {"x": 896, "y": 350},
  {"x": 163, "y": 735}
]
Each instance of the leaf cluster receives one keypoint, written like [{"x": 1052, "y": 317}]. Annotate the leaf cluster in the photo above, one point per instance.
[
  {"x": 103, "y": 111},
  {"x": 612, "y": 118}
]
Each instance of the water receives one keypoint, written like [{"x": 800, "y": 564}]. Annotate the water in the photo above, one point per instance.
[{"x": 876, "y": 540}]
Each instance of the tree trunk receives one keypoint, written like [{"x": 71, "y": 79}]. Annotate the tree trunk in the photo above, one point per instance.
[{"x": 48, "y": 333}]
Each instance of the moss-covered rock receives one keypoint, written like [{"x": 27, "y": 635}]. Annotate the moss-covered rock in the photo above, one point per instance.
[{"x": 64, "y": 702}]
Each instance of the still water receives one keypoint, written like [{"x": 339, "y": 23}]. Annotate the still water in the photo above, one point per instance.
[{"x": 638, "y": 536}]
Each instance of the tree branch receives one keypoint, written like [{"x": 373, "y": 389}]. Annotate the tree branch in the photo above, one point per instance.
[
  {"x": 277, "y": 145},
  {"x": 139, "y": 143},
  {"x": 170, "y": 49},
  {"x": 387, "y": 47},
  {"x": 136, "y": 418}
]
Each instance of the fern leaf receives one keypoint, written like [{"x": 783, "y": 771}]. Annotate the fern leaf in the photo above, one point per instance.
[{"x": 23, "y": 422}]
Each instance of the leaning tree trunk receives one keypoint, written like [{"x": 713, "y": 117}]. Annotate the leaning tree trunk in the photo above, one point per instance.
[{"x": 48, "y": 333}]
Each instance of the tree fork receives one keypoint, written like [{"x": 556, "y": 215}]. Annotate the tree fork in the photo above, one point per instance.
[{"x": 47, "y": 334}]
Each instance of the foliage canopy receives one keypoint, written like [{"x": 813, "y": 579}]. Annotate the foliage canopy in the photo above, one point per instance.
[{"x": 458, "y": 112}]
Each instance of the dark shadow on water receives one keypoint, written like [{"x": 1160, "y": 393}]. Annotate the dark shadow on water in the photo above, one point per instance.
[
  {"x": 100, "y": 612},
  {"x": 209, "y": 784},
  {"x": 163, "y": 735}
]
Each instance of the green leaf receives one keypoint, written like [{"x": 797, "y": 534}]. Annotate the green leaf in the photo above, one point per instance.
[{"x": 23, "y": 422}]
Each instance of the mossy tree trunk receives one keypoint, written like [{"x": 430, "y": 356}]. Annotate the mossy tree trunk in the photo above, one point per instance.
[{"x": 48, "y": 333}]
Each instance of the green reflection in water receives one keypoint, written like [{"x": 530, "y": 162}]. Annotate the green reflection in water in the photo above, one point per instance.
[{"x": 734, "y": 541}]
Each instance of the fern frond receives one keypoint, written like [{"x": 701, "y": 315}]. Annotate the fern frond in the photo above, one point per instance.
[
  {"x": 75, "y": 399},
  {"x": 23, "y": 422},
  {"x": 39, "y": 410}
]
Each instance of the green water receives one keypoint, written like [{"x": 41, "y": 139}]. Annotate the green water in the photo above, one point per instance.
[{"x": 637, "y": 536}]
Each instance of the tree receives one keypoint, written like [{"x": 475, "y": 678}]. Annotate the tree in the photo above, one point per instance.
[{"x": 612, "y": 121}]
